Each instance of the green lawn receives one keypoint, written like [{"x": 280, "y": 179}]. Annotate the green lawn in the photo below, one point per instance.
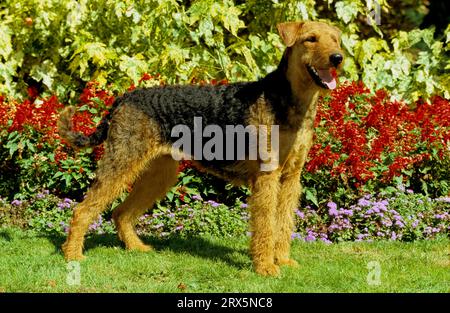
[{"x": 35, "y": 264}]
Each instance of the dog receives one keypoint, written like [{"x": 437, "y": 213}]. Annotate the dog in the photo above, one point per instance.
[{"x": 139, "y": 144}]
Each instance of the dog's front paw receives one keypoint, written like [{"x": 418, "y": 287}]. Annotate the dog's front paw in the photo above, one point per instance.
[
  {"x": 287, "y": 262},
  {"x": 267, "y": 269},
  {"x": 139, "y": 247},
  {"x": 72, "y": 253}
]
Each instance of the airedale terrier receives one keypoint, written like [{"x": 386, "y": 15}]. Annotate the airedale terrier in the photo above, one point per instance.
[{"x": 139, "y": 144}]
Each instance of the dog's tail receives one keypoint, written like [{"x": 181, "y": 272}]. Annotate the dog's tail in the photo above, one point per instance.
[{"x": 78, "y": 139}]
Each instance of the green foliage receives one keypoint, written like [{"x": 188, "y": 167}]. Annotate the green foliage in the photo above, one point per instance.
[
  {"x": 71, "y": 42},
  {"x": 198, "y": 217}
]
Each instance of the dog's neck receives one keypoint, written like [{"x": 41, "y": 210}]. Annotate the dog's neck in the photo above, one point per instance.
[{"x": 292, "y": 106}]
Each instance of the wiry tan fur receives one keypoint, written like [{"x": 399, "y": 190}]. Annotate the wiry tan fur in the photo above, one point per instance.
[{"x": 136, "y": 153}]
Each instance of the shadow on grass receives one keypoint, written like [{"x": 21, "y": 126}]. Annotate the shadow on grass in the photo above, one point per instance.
[
  {"x": 196, "y": 246},
  {"x": 4, "y": 235}
]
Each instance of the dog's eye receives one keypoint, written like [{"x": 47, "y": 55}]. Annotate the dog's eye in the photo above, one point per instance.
[{"x": 311, "y": 39}]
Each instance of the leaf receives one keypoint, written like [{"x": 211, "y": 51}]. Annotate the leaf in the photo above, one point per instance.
[
  {"x": 187, "y": 179},
  {"x": 45, "y": 72},
  {"x": 311, "y": 195},
  {"x": 5, "y": 44},
  {"x": 346, "y": 10}
]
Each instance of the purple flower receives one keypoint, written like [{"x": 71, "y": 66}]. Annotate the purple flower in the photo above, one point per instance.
[
  {"x": 439, "y": 216},
  {"x": 300, "y": 213},
  {"x": 415, "y": 223},
  {"x": 325, "y": 240},
  {"x": 40, "y": 195},
  {"x": 214, "y": 204},
  {"x": 364, "y": 202},
  {"x": 332, "y": 205},
  {"x": 171, "y": 215},
  {"x": 393, "y": 236},
  {"x": 244, "y": 205},
  {"x": 332, "y": 209},
  {"x": 398, "y": 217},
  {"x": 399, "y": 224},
  {"x": 444, "y": 199},
  {"x": 296, "y": 236},
  {"x": 159, "y": 225},
  {"x": 348, "y": 212},
  {"x": 63, "y": 205},
  {"x": 409, "y": 191},
  {"x": 179, "y": 227},
  {"x": 197, "y": 197},
  {"x": 67, "y": 200},
  {"x": 310, "y": 237},
  {"x": 16, "y": 202}
]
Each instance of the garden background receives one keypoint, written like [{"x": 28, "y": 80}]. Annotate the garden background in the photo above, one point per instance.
[{"x": 379, "y": 169}]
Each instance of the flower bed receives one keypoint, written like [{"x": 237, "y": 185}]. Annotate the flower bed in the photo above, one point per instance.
[{"x": 366, "y": 148}]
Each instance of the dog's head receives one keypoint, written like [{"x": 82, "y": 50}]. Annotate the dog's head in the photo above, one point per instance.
[{"x": 313, "y": 53}]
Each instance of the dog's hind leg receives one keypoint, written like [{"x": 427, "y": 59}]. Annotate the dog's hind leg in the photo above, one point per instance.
[
  {"x": 153, "y": 184},
  {"x": 131, "y": 144}
]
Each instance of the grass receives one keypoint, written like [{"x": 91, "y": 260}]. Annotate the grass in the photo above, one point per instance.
[{"x": 30, "y": 263}]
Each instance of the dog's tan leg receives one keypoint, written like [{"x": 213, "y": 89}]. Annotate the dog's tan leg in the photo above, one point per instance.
[
  {"x": 262, "y": 204},
  {"x": 132, "y": 142},
  {"x": 159, "y": 176},
  {"x": 288, "y": 199},
  {"x": 108, "y": 186}
]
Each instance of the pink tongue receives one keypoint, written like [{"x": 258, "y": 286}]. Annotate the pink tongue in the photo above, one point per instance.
[{"x": 327, "y": 78}]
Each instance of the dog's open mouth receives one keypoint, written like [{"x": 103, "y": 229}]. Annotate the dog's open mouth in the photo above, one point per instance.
[{"x": 324, "y": 78}]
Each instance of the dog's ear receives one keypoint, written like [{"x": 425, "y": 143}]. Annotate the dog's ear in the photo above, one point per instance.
[{"x": 289, "y": 32}]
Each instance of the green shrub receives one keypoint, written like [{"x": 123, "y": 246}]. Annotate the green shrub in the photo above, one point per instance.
[{"x": 59, "y": 45}]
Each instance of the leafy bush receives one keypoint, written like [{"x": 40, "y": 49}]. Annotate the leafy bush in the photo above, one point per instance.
[
  {"x": 45, "y": 213},
  {"x": 59, "y": 45},
  {"x": 398, "y": 215},
  {"x": 197, "y": 217}
]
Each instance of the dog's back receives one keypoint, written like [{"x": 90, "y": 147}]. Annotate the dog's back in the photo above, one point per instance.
[{"x": 178, "y": 105}]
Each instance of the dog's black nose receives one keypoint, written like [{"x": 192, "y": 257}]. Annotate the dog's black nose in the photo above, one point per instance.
[{"x": 336, "y": 59}]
